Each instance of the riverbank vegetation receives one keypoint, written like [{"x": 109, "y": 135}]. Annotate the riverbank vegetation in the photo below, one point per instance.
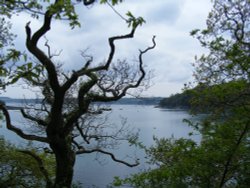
[{"x": 24, "y": 167}]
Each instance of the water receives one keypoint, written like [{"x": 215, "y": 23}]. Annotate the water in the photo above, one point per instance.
[{"x": 99, "y": 170}]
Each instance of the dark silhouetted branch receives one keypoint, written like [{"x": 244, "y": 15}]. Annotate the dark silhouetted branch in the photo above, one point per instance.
[
  {"x": 18, "y": 131},
  {"x": 37, "y": 120},
  {"x": 31, "y": 43},
  {"x": 110, "y": 154},
  {"x": 116, "y": 96}
]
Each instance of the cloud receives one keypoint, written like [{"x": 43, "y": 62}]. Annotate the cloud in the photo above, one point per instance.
[
  {"x": 171, "y": 21},
  {"x": 165, "y": 12}
]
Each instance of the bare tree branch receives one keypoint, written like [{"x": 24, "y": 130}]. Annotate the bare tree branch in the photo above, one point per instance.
[
  {"x": 31, "y": 43},
  {"x": 50, "y": 55},
  {"x": 84, "y": 70},
  {"x": 76, "y": 74},
  {"x": 112, "y": 50},
  {"x": 18, "y": 131},
  {"x": 99, "y": 98},
  {"x": 108, "y": 153},
  {"x": 37, "y": 120},
  {"x": 84, "y": 136}
]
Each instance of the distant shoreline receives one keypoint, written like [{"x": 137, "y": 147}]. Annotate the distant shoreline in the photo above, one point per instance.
[{"x": 124, "y": 101}]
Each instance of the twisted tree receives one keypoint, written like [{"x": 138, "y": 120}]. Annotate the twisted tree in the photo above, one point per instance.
[{"x": 62, "y": 116}]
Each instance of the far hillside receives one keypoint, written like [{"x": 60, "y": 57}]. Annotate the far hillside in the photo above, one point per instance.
[
  {"x": 233, "y": 91},
  {"x": 179, "y": 100}
]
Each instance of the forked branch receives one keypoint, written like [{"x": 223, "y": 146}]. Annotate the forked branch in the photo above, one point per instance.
[
  {"x": 118, "y": 95},
  {"x": 85, "y": 70},
  {"x": 112, "y": 50},
  {"x": 34, "y": 119},
  {"x": 18, "y": 131}
]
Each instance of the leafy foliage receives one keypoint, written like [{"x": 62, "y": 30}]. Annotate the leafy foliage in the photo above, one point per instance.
[
  {"x": 227, "y": 38},
  {"x": 9, "y": 55},
  {"x": 114, "y": 2},
  {"x": 6, "y": 38},
  {"x": 18, "y": 169},
  {"x": 184, "y": 163}
]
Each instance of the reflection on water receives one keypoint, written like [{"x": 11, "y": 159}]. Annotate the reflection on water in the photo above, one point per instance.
[{"x": 99, "y": 170}]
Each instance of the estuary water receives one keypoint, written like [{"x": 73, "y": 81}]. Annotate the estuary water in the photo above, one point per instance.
[{"x": 98, "y": 170}]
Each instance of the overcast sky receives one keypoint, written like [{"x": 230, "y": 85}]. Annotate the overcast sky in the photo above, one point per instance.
[{"x": 170, "y": 20}]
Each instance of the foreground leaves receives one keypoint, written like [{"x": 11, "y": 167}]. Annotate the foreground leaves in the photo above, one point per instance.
[{"x": 19, "y": 168}]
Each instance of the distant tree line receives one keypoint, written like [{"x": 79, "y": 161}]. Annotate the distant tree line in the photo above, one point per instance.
[
  {"x": 179, "y": 100},
  {"x": 219, "y": 94}
]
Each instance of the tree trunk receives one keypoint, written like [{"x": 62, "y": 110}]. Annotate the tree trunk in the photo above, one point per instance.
[
  {"x": 61, "y": 145},
  {"x": 65, "y": 160}
]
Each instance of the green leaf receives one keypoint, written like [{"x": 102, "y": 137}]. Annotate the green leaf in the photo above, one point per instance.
[{"x": 29, "y": 65}]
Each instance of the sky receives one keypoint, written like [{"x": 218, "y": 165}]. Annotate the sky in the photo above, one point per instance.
[{"x": 169, "y": 20}]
